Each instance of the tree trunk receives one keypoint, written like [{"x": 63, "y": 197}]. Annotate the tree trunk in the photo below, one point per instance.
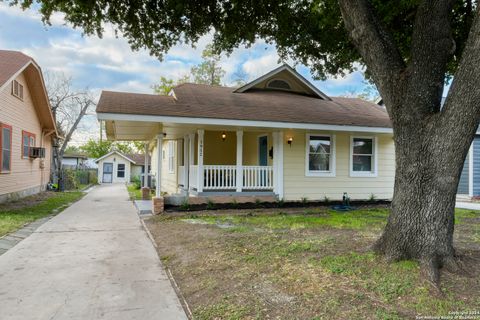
[{"x": 428, "y": 169}]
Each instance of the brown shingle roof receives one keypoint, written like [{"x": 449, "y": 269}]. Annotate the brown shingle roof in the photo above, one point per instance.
[
  {"x": 10, "y": 63},
  {"x": 203, "y": 101},
  {"x": 139, "y": 158}
]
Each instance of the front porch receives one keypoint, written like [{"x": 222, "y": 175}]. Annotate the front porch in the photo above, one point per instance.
[{"x": 230, "y": 163}]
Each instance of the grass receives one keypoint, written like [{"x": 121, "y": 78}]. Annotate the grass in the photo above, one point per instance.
[
  {"x": 135, "y": 194},
  {"x": 358, "y": 219},
  {"x": 14, "y": 216},
  {"x": 312, "y": 264}
]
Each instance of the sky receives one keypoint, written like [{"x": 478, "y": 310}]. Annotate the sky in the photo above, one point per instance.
[{"x": 110, "y": 64}]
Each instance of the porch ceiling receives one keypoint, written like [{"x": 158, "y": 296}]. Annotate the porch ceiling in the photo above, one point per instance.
[{"x": 143, "y": 131}]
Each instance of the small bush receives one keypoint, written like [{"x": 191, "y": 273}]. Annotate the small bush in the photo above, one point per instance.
[
  {"x": 372, "y": 198},
  {"x": 326, "y": 199},
  {"x": 258, "y": 202},
  {"x": 280, "y": 202},
  {"x": 137, "y": 182},
  {"x": 234, "y": 203},
  {"x": 185, "y": 205},
  {"x": 210, "y": 204},
  {"x": 304, "y": 200}
]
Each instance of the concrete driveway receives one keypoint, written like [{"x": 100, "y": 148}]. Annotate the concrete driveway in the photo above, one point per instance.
[{"x": 92, "y": 261}]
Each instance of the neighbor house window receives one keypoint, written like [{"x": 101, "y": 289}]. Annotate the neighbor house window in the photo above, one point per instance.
[
  {"x": 28, "y": 141},
  {"x": 17, "y": 89},
  {"x": 5, "y": 148},
  {"x": 121, "y": 170},
  {"x": 363, "y": 158},
  {"x": 171, "y": 157},
  {"x": 320, "y": 157}
]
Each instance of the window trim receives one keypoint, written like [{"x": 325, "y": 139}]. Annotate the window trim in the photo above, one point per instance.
[
  {"x": 20, "y": 89},
  {"x": 281, "y": 89},
  {"x": 124, "y": 170},
  {"x": 333, "y": 151},
  {"x": 171, "y": 156},
  {"x": 368, "y": 174},
  {"x": 30, "y": 136},
  {"x": 5, "y": 126}
]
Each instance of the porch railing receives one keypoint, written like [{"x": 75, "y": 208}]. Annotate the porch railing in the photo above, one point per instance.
[
  {"x": 224, "y": 177},
  {"x": 219, "y": 177},
  {"x": 257, "y": 177}
]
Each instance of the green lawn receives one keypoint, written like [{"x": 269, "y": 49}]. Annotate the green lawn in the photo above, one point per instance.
[
  {"x": 16, "y": 214},
  {"x": 314, "y": 263}
]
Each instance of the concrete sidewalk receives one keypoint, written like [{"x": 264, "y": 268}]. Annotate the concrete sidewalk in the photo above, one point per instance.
[{"x": 92, "y": 261}]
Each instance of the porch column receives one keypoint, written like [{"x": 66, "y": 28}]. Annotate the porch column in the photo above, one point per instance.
[
  {"x": 191, "y": 155},
  {"x": 145, "y": 171},
  {"x": 186, "y": 163},
  {"x": 239, "y": 160},
  {"x": 201, "y": 133},
  {"x": 278, "y": 163},
  {"x": 159, "y": 164}
]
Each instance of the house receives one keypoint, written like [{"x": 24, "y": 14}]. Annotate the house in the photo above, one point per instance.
[
  {"x": 276, "y": 136},
  {"x": 26, "y": 127},
  {"x": 114, "y": 167},
  {"x": 74, "y": 161}
]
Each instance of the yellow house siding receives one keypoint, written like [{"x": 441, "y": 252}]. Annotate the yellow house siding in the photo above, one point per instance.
[
  {"x": 217, "y": 151},
  {"x": 27, "y": 173},
  {"x": 298, "y": 185}
]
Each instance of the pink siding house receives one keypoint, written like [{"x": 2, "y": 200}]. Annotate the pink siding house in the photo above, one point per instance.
[{"x": 26, "y": 127}]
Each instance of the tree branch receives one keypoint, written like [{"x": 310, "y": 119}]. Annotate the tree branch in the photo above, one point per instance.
[
  {"x": 432, "y": 47},
  {"x": 375, "y": 45},
  {"x": 461, "y": 112}
]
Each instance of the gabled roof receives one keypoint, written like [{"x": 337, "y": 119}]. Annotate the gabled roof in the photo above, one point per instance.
[
  {"x": 13, "y": 63},
  {"x": 115, "y": 152},
  {"x": 309, "y": 88},
  {"x": 138, "y": 158}
]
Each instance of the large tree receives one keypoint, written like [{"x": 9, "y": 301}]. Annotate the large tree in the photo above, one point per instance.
[{"x": 409, "y": 49}]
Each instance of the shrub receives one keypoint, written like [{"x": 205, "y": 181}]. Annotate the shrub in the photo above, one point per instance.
[
  {"x": 372, "y": 198},
  {"x": 234, "y": 203},
  {"x": 326, "y": 199},
  {"x": 185, "y": 205},
  {"x": 136, "y": 182},
  {"x": 210, "y": 204},
  {"x": 70, "y": 179},
  {"x": 304, "y": 200},
  {"x": 281, "y": 202}
]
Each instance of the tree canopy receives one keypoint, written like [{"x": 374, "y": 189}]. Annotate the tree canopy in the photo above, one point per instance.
[
  {"x": 98, "y": 148},
  {"x": 311, "y": 32}
]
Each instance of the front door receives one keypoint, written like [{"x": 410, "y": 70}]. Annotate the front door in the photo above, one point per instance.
[
  {"x": 107, "y": 172},
  {"x": 262, "y": 151}
]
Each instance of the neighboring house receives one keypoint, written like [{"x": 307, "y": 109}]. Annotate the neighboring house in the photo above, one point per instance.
[
  {"x": 74, "y": 161},
  {"x": 26, "y": 127},
  {"x": 137, "y": 169},
  {"x": 114, "y": 167},
  {"x": 278, "y": 135}
]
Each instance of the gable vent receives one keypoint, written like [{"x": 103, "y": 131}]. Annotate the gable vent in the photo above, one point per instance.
[{"x": 279, "y": 84}]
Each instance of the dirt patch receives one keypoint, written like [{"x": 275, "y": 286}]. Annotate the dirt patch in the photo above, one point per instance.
[
  {"x": 29, "y": 201},
  {"x": 257, "y": 268}
]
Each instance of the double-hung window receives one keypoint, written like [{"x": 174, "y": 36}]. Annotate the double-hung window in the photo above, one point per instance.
[
  {"x": 28, "y": 141},
  {"x": 121, "y": 170},
  {"x": 171, "y": 157},
  {"x": 17, "y": 89},
  {"x": 363, "y": 160},
  {"x": 320, "y": 157},
  {"x": 5, "y": 148}
]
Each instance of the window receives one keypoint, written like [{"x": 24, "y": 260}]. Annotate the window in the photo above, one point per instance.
[
  {"x": 5, "y": 148},
  {"x": 121, "y": 170},
  {"x": 363, "y": 162},
  {"x": 17, "y": 89},
  {"x": 171, "y": 156},
  {"x": 279, "y": 84},
  {"x": 320, "y": 157},
  {"x": 28, "y": 140}
]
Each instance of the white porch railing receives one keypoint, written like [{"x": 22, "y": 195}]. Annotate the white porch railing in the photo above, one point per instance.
[
  {"x": 257, "y": 177},
  {"x": 192, "y": 176},
  {"x": 219, "y": 177},
  {"x": 181, "y": 176}
]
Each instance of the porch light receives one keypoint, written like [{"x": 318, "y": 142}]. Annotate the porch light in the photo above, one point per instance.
[
  {"x": 289, "y": 141},
  {"x": 224, "y": 136}
]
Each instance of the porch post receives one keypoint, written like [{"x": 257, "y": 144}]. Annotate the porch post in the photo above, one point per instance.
[
  {"x": 159, "y": 165},
  {"x": 145, "y": 171},
  {"x": 280, "y": 164},
  {"x": 275, "y": 161},
  {"x": 186, "y": 163},
  {"x": 200, "y": 161},
  {"x": 191, "y": 155},
  {"x": 239, "y": 160}
]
